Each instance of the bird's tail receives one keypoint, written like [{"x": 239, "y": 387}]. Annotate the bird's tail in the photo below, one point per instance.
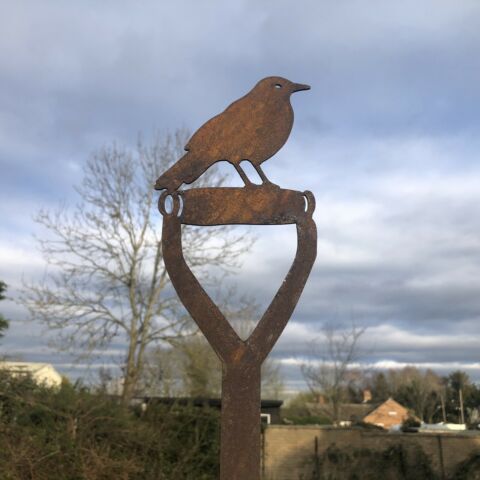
[{"x": 175, "y": 175}]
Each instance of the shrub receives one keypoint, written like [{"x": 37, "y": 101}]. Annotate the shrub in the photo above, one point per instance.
[
  {"x": 71, "y": 433},
  {"x": 393, "y": 463}
]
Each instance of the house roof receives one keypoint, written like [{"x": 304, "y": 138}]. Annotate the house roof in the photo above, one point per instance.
[
  {"x": 347, "y": 411},
  {"x": 375, "y": 413},
  {"x": 40, "y": 372},
  {"x": 391, "y": 403},
  {"x": 27, "y": 367},
  {"x": 388, "y": 414}
]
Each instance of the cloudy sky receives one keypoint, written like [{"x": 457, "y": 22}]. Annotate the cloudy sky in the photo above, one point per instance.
[{"x": 388, "y": 139}]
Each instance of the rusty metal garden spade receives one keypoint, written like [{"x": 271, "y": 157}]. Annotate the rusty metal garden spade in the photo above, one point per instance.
[{"x": 253, "y": 128}]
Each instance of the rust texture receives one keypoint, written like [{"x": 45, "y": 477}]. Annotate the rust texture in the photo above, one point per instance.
[{"x": 253, "y": 128}]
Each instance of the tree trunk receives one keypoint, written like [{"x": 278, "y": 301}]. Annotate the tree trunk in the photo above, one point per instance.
[{"x": 129, "y": 380}]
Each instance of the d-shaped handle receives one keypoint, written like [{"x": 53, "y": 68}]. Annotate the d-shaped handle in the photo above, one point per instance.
[{"x": 216, "y": 328}]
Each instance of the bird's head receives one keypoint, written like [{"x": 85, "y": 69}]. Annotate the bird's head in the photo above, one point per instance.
[{"x": 279, "y": 86}]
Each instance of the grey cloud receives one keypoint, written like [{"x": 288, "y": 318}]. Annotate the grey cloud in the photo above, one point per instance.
[{"x": 387, "y": 139}]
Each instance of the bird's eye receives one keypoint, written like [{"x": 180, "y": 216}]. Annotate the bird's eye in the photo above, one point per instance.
[{"x": 278, "y": 85}]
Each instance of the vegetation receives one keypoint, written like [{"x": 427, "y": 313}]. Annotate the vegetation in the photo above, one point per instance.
[
  {"x": 70, "y": 433},
  {"x": 192, "y": 369},
  {"x": 3, "y": 320},
  {"x": 106, "y": 278},
  {"x": 427, "y": 395},
  {"x": 336, "y": 351},
  {"x": 397, "y": 462},
  {"x": 296, "y": 411},
  {"x": 410, "y": 424},
  {"x": 469, "y": 469},
  {"x": 393, "y": 463},
  {"x": 431, "y": 398}
]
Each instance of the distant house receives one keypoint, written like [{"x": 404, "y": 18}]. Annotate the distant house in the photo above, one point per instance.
[
  {"x": 41, "y": 373},
  {"x": 386, "y": 415}
]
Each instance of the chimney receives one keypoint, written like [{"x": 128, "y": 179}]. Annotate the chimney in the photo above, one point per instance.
[{"x": 367, "y": 396}]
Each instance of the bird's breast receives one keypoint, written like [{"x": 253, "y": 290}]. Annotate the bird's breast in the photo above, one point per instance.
[{"x": 253, "y": 128}]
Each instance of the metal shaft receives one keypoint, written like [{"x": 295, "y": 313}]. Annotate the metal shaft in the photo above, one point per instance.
[{"x": 240, "y": 421}]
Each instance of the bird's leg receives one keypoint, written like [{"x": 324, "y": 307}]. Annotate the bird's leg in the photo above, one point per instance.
[
  {"x": 242, "y": 174},
  {"x": 262, "y": 175}
]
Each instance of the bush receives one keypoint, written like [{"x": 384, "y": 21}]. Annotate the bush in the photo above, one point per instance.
[
  {"x": 309, "y": 420},
  {"x": 410, "y": 425},
  {"x": 71, "y": 433},
  {"x": 469, "y": 469},
  {"x": 393, "y": 463},
  {"x": 298, "y": 412}
]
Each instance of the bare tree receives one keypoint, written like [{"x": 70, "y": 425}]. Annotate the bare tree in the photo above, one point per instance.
[
  {"x": 3, "y": 321},
  {"x": 106, "y": 276},
  {"x": 417, "y": 389},
  {"x": 191, "y": 367},
  {"x": 334, "y": 353}
]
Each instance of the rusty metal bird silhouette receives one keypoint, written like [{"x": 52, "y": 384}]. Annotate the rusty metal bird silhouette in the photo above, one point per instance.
[{"x": 252, "y": 128}]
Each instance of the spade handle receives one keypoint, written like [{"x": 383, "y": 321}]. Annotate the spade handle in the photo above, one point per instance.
[{"x": 241, "y": 359}]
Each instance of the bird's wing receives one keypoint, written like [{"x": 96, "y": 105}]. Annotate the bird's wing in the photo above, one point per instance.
[
  {"x": 204, "y": 134},
  {"x": 210, "y": 130}
]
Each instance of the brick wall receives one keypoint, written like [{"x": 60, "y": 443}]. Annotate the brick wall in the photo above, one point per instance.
[
  {"x": 388, "y": 414},
  {"x": 288, "y": 450}
]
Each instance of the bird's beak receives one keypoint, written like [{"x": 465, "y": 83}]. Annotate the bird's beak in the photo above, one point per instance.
[{"x": 298, "y": 87}]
